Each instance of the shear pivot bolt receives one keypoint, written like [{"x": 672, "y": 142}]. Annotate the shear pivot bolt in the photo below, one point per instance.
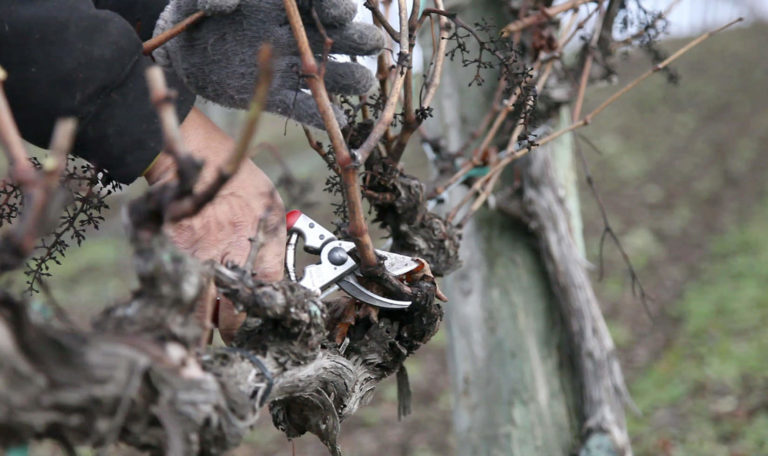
[{"x": 337, "y": 256}]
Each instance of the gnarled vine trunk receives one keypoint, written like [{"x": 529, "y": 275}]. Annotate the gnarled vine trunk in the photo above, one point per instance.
[{"x": 533, "y": 365}]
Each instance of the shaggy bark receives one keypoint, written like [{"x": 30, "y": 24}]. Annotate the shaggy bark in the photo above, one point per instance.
[
  {"x": 140, "y": 377},
  {"x": 603, "y": 392}
]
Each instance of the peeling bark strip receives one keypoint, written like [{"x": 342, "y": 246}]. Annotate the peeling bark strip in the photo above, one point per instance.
[{"x": 603, "y": 391}]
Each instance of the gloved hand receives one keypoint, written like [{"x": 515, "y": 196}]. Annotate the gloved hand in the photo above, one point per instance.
[{"x": 217, "y": 57}]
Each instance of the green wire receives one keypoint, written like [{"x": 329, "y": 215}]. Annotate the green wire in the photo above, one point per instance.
[
  {"x": 22, "y": 450},
  {"x": 480, "y": 171}
]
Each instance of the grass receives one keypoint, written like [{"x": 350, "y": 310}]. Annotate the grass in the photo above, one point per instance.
[
  {"x": 707, "y": 393},
  {"x": 682, "y": 175}
]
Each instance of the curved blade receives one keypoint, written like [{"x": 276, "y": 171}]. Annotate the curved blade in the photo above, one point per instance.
[
  {"x": 397, "y": 264},
  {"x": 350, "y": 285}
]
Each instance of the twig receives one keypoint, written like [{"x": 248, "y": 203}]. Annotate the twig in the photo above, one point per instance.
[
  {"x": 664, "y": 14},
  {"x": 510, "y": 155},
  {"x": 39, "y": 188},
  {"x": 261, "y": 235},
  {"x": 358, "y": 229},
  {"x": 188, "y": 202},
  {"x": 22, "y": 170},
  {"x": 162, "y": 99},
  {"x": 327, "y": 42},
  {"x": 612, "y": 99},
  {"x": 388, "y": 113},
  {"x": 475, "y": 188},
  {"x": 35, "y": 277},
  {"x": 587, "y": 69},
  {"x": 543, "y": 16},
  {"x": 609, "y": 231},
  {"x": 411, "y": 123},
  {"x": 576, "y": 30},
  {"x": 477, "y": 157},
  {"x": 254, "y": 112},
  {"x": 486, "y": 193},
  {"x": 463, "y": 25},
  {"x": 317, "y": 147},
  {"x": 509, "y": 105},
  {"x": 380, "y": 20},
  {"x": 680, "y": 52},
  {"x": 438, "y": 61},
  {"x": 490, "y": 115},
  {"x": 465, "y": 168},
  {"x": 539, "y": 86},
  {"x": 155, "y": 42}
]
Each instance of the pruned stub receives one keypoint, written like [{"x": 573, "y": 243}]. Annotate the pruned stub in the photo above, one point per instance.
[{"x": 415, "y": 231}]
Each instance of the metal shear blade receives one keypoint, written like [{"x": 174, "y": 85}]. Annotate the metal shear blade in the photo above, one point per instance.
[
  {"x": 336, "y": 266},
  {"x": 353, "y": 288}
]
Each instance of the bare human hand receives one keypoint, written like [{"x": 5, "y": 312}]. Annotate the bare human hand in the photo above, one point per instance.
[{"x": 221, "y": 231}]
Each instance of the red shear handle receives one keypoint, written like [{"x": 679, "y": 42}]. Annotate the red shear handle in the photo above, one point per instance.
[
  {"x": 314, "y": 235},
  {"x": 291, "y": 218}
]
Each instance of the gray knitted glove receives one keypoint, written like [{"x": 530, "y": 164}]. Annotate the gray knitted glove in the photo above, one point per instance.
[{"x": 217, "y": 57}]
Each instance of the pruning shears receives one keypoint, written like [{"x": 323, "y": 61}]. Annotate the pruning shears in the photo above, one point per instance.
[{"x": 336, "y": 266}]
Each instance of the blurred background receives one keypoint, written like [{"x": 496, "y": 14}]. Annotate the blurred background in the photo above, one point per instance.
[{"x": 681, "y": 169}]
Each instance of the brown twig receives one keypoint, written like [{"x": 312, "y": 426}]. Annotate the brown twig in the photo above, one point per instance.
[
  {"x": 380, "y": 20},
  {"x": 508, "y": 106},
  {"x": 477, "y": 156},
  {"x": 465, "y": 168},
  {"x": 680, "y": 52},
  {"x": 41, "y": 207},
  {"x": 388, "y": 113},
  {"x": 411, "y": 123},
  {"x": 543, "y": 16},
  {"x": 438, "y": 59},
  {"x": 327, "y": 43},
  {"x": 21, "y": 170},
  {"x": 486, "y": 193},
  {"x": 254, "y": 112},
  {"x": 587, "y": 68},
  {"x": 162, "y": 99},
  {"x": 566, "y": 36},
  {"x": 664, "y": 14},
  {"x": 261, "y": 236},
  {"x": 317, "y": 147},
  {"x": 495, "y": 108},
  {"x": 579, "y": 26},
  {"x": 514, "y": 155},
  {"x": 358, "y": 229},
  {"x": 486, "y": 121},
  {"x": 608, "y": 230},
  {"x": 155, "y": 42},
  {"x": 189, "y": 202}
]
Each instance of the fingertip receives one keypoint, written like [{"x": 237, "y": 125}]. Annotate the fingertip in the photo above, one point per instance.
[
  {"x": 334, "y": 13},
  {"x": 302, "y": 108},
  {"x": 349, "y": 78},
  {"x": 358, "y": 39}
]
